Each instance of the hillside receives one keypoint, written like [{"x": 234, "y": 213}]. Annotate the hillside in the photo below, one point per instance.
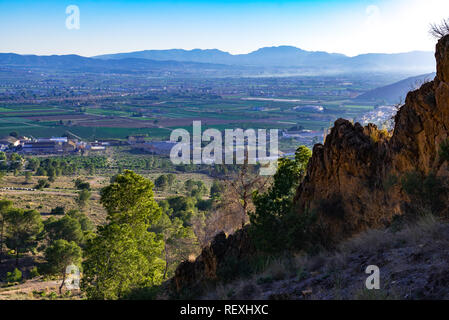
[
  {"x": 377, "y": 198},
  {"x": 412, "y": 261},
  {"x": 395, "y": 92}
]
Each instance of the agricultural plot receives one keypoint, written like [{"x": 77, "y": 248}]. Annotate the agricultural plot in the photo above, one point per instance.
[{"x": 156, "y": 106}]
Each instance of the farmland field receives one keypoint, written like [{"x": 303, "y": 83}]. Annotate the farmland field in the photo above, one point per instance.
[{"x": 155, "y": 107}]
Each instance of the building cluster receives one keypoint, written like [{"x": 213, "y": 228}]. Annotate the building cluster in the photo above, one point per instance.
[
  {"x": 53, "y": 145},
  {"x": 382, "y": 116}
]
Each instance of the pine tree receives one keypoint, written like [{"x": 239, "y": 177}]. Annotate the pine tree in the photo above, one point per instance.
[{"x": 125, "y": 255}]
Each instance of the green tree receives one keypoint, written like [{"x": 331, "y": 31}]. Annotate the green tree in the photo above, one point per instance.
[
  {"x": 51, "y": 174},
  {"x": 5, "y": 206},
  {"x": 273, "y": 223},
  {"x": 60, "y": 254},
  {"x": 170, "y": 179},
  {"x": 28, "y": 175},
  {"x": 23, "y": 229},
  {"x": 33, "y": 164},
  {"x": 86, "y": 225},
  {"x": 15, "y": 157},
  {"x": 65, "y": 228},
  {"x": 216, "y": 190},
  {"x": 125, "y": 255},
  {"x": 83, "y": 198},
  {"x": 81, "y": 185},
  {"x": 14, "y": 276},
  {"x": 183, "y": 208},
  {"x": 161, "y": 182},
  {"x": 41, "y": 172},
  {"x": 179, "y": 242},
  {"x": 58, "y": 211},
  {"x": 41, "y": 184}
]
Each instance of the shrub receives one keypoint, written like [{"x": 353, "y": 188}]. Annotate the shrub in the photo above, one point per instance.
[
  {"x": 146, "y": 293},
  {"x": 82, "y": 185},
  {"x": 53, "y": 295},
  {"x": 58, "y": 211},
  {"x": 34, "y": 272},
  {"x": 14, "y": 276},
  {"x": 444, "y": 150},
  {"x": 41, "y": 184},
  {"x": 425, "y": 192}
]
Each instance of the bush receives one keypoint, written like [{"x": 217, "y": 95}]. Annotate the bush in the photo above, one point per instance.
[
  {"x": 425, "y": 192},
  {"x": 41, "y": 184},
  {"x": 34, "y": 272},
  {"x": 233, "y": 268},
  {"x": 14, "y": 276},
  {"x": 58, "y": 211},
  {"x": 161, "y": 182},
  {"x": 82, "y": 185},
  {"x": 147, "y": 293},
  {"x": 444, "y": 150},
  {"x": 53, "y": 295}
]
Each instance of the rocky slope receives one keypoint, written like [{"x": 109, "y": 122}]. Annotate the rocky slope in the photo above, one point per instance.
[
  {"x": 346, "y": 185},
  {"x": 413, "y": 264}
]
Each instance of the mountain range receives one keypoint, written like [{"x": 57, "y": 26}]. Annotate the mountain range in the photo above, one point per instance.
[
  {"x": 283, "y": 60},
  {"x": 291, "y": 57}
]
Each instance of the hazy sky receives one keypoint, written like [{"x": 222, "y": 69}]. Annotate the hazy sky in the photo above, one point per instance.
[{"x": 348, "y": 26}]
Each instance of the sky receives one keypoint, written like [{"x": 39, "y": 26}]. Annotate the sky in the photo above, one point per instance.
[{"x": 348, "y": 26}]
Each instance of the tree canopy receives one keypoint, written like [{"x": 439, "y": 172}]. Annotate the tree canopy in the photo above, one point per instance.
[{"x": 125, "y": 255}]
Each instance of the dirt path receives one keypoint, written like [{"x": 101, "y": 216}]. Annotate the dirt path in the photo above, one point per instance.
[
  {"x": 29, "y": 286},
  {"x": 95, "y": 196}
]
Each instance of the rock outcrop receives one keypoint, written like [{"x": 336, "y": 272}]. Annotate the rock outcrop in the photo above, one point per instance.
[
  {"x": 345, "y": 182},
  {"x": 213, "y": 258}
]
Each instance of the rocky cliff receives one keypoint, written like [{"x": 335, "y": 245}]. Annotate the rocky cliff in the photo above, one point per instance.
[{"x": 346, "y": 178}]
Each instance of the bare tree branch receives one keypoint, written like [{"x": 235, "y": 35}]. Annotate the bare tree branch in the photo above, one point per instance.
[{"x": 440, "y": 30}]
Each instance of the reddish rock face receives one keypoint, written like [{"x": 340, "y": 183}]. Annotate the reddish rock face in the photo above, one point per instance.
[{"x": 345, "y": 182}]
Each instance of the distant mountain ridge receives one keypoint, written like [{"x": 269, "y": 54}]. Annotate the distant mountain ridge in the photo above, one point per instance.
[
  {"x": 75, "y": 63},
  {"x": 269, "y": 61},
  {"x": 395, "y": 92},
  {"x": 288, "y": 56}
]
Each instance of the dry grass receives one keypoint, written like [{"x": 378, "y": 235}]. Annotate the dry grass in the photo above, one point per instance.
[
  {"x": 341, "y": 273},
  {"x": 66, "y": 183},
  {"x": 61, "y": 194},
  {"x": 244, "y": 289}
]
